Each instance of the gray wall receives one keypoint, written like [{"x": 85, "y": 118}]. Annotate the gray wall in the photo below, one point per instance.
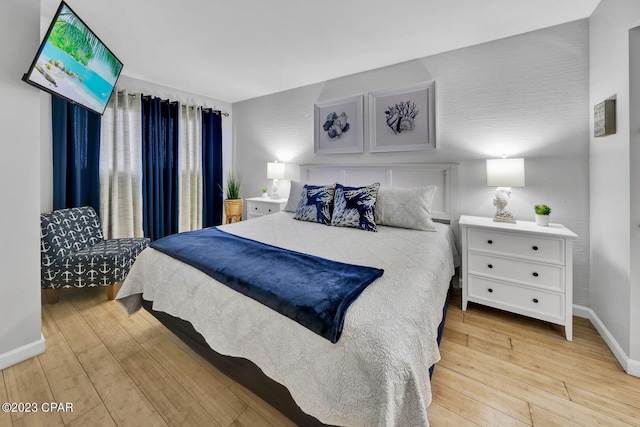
[
  {"x": 524, "y": 96},
  {"x": 19, "y": 186},
  {"x": 615, "y": 183}
]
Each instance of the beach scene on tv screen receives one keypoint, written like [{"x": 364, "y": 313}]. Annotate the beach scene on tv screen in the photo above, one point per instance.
[{"x": 75, "y": 64}]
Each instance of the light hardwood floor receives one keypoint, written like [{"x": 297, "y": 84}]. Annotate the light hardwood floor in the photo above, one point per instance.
[{"x": 497, "y": 369}]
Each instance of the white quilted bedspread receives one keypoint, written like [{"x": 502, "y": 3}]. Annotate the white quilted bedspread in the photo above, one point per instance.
[{"x": 378, "y": 371}]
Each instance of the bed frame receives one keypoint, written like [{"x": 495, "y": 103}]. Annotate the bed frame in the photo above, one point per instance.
[
  {"x": 247, "y": 373},
  {"x": 444, "y": 209}
]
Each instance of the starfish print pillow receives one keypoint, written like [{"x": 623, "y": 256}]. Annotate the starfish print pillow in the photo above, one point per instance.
[
  {"x": 354, "y": 207},
  {"x": 316, "y": 204}
]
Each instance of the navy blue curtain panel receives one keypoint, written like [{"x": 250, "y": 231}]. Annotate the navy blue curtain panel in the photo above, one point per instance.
[
  {"x": 76, "y": 155},
  {"x": 212, "y": 197},
  {"x": 159, "y": 167}
]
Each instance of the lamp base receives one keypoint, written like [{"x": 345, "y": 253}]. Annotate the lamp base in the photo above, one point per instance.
[
  {"x": 504, "y": 216},
  {"x": 274, "y": 190},
  {"x": 500, "y": 202}
]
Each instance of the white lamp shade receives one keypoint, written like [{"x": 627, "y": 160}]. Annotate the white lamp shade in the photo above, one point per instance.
[
  {"x": 275, "y": 170},
  {"x": 505, "y": 172}
]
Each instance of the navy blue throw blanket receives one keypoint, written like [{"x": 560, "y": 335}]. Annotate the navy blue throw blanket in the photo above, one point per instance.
[{"x": 315, "y": 292}]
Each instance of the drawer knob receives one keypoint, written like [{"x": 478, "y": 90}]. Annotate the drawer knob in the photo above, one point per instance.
[
  {"x": 535, "y": 274},
  {"x": 535, "y": 300},
  {"x": 535, "y": 248},
  {"x": 255, "y": 208},
  {"x": 490, "y": 241},
  {"x": 490, "y": 265},
  {"x": 490, "y": 290},
  {"x": 269, "y": 210}
]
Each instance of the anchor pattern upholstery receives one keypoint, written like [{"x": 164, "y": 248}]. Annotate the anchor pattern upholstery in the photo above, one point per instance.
[{"x": 74, "y": 253}]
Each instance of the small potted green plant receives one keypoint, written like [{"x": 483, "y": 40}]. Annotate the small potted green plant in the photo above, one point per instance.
[
  {"x": 264, "y": 192},
  {"x": 233, "y": 203},
  {"x": 542, "y": 215}
]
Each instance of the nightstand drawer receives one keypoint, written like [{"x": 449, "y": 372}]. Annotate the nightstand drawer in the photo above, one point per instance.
[
  {"x": 259, "y": 208},
  {"x": 517, "y": 245},
  {"x": 545, "y": 276},
  {"x": 530, "y": 302}
]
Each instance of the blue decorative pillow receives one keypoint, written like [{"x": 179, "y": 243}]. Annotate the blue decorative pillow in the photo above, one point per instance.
[
  {"x": 354, "y": 207},
  {"x": 316, "y": 204}
]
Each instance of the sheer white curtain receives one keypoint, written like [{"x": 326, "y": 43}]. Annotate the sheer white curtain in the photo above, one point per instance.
[
  {"x": 121, "y": 167},
  {"x": 190, "y": 168}
]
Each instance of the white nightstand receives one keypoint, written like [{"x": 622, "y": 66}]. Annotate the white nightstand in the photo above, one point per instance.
[
  {"x": 522, "y": 268},
  {"x": 259, "y": 206}
]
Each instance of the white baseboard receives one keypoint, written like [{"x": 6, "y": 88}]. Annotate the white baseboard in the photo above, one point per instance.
[
  {"x": 20, "y": 354},
  {"x": 582, "y": 311},
  {"x": 630, "y": 366}
]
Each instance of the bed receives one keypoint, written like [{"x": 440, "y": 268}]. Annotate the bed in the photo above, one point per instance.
[{"x": 377, "y": 373}]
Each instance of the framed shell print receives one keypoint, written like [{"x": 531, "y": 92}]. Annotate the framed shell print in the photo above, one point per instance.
[
  {"x": 338, "y": 126},
  {"x": 403, "y": 119}
]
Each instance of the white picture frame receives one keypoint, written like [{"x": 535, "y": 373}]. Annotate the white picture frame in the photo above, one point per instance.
[
  {"x": 403, "y": 119},
  {"x": 338, "y": 126}
]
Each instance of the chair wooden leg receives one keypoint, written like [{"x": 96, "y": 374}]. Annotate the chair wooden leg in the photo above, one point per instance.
[
  {"x": 53, "y": 295},
  {"x": 112, "y": 290}
]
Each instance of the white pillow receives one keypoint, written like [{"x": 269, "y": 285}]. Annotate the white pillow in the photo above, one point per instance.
[
  {"x": 405, "y": 207},
  {"x": 294, "y": 196}
]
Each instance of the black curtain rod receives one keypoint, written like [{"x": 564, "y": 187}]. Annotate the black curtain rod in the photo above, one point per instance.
[
  {"x": 161, "y": 100},
  {"x": 224, "y": 113},
  {"x": 121, "y": 92}
]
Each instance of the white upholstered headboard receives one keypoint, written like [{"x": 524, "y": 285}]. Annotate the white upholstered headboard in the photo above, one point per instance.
[{"x": 444, "y": 176}]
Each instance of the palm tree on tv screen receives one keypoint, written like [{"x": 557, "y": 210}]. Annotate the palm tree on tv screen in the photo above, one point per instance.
[{"x": 70, "y": 35}]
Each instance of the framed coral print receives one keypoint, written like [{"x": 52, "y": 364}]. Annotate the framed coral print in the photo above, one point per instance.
[
  {"x": 338, "y": 126},
  {"x": 403, "y": 119}
]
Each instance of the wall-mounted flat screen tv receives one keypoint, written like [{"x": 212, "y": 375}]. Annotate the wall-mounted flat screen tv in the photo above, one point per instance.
[{"x": 74, "y": 64}]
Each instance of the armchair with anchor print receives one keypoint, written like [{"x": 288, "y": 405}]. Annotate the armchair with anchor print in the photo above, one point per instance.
[{"x": 74, "y": 253}]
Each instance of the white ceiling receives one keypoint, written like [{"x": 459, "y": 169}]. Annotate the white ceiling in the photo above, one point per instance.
[{"x": 240, "y": 49}]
